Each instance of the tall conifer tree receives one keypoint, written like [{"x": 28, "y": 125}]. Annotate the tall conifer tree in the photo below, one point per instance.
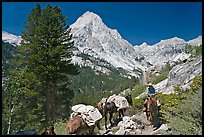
[{"x": 46, "y": 51}]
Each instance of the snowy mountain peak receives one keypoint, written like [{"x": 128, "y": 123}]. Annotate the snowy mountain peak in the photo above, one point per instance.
[
  {"x": 144, "y": 44},
  {"x": 197, "y": 41},
  {"x": 10, "y": 38},
  {"x": 90, "y": 14},
  {"x": 88, "y": 18},
  {"x": 171, "y": 41}
]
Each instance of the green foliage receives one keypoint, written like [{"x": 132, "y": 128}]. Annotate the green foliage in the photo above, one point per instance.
[
  {"x": 187, "y": 118},
  {"x": 195, "y": 51},
  {"x": 197, "y": 83},
  {"x": 183, "y": 111},
  {"x": 41, "y": 70},
  {"x": 8, "y": 52},
  {"x": 168, "y": 102},
  {"x": 138, "y": 89},
  {"x": 88, "y": 84},
  {"x": 163, "y": 74},
  {"x": 178, "y": 89},
  {"x": 60, "y": 126},
  {"x": 138, "y": 105}
]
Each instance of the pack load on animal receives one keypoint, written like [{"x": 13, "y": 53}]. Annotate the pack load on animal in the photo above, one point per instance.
[
  {"x": 88, "y": 113},
  {"x": 120, "y": 102}
]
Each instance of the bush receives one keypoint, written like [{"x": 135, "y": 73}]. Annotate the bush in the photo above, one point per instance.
[
  {"x": 60, "y": 126},
  {"x": 138, "y": 89},
  {"x": 178, "y": 89},
  {"x": 163, "y": 74},
  {"x": 188, "y": 116},
  {"x": 138, "y": 105},
  {"x": 197, "y": 82},
  {"x": 168, "y": 103}
]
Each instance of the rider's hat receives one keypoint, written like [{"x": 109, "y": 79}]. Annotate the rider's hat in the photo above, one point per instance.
[{"x": 150, "y": 84}]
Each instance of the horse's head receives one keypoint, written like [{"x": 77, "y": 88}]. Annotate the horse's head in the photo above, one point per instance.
[
  {"x": 129, "y": 99},
  {"x": 100, "y": 105},
  {"x": 49, "y": 131}
]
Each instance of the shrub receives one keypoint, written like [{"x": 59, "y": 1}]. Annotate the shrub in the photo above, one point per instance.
[
  {"x": 178, "y": 88},
  {"x": 197, "y": 82},
  {"x": 138, "y": 105},
  {"x": 138, "y": 89},
  {"x": 60, "y": 127},
  {"x": 188, "y": 116}
]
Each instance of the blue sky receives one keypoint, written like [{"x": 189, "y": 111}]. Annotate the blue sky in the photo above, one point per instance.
[{"x": 137, "y": 22}]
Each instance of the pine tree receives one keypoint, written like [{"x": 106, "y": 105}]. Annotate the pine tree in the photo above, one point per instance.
[{"x": 45, "y": 52}]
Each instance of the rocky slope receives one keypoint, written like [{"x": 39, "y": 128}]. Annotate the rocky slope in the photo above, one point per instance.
[{"x": 100, "y": 47}]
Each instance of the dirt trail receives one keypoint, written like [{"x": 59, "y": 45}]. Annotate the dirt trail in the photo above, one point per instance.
[{"x": 146, "y": 130}]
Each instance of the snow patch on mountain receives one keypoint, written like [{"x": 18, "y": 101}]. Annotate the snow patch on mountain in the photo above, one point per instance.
[
  {"x": 163, "y": 52},
  {"x": 10, "y": 38},
  {"x": 195, "y": 42}
]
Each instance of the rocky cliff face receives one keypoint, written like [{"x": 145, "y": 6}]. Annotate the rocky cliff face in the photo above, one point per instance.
[
  {"x": 99, "y": 47},
  {"x": 94, "y": 38},
  {"x": 181, "y": 75}
]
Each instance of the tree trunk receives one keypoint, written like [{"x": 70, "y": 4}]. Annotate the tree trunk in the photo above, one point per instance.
[
  {"x": 48, "y": 105},
  {"x": 10, "y": 118},
  {"x": 53, "y": 97}
]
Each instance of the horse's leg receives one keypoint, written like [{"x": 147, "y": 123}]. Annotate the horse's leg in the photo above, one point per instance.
[
  {"x": 110, "y": 117},
  {"x": 105, "y": 115},
  {"x": 150, "y": 119},
  {"x": 119, "y": 112},
  {"x": 98, "y": 125},
  {"x": 91, "y": 130},
  {"x": 122, "y": 111}
]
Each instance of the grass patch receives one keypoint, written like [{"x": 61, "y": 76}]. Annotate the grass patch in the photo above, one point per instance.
[{"x": 60, "y": 127}]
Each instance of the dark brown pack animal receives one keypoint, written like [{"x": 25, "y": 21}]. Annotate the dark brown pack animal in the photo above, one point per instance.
[
  {"x": 49, "y": 131},
  {"x": 77, "y": 125},
  {"x": 110, "y": 108}
]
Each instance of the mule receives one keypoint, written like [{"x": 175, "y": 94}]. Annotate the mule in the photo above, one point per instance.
[
  {"x": 49, "y": 131},
  {"x": 110, "y": 107},
  {"x": 152, "y": 110},
  {"x": 129, "y": 99},
  {"x": 76, "y": 125}
]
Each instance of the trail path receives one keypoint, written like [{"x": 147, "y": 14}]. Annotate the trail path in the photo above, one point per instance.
[{"x": 142, "y": 128}]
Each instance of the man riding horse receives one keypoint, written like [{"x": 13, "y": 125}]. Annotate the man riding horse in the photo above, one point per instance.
[{"x": 151, "y": 91}]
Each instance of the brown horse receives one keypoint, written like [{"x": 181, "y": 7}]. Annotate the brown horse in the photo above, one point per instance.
[
  {"x": 48, "y": 131},
  {"x": 78, "y": 126},
  {"x": 152, "y": 110},
  {"x": 109, "y": 107}
]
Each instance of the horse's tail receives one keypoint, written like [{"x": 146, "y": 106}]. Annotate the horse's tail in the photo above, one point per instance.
[
  {"x": 105, "y": 113},
  {"x": 105, "y": 107}
]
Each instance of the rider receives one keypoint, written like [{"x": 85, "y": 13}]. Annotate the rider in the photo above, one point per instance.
[{"x": 151, "y": 90}]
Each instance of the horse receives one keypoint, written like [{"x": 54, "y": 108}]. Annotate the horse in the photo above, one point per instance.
[
  {"x": 49, "y": 131},
  {"x": 110, "y": 107},
  {"x": 152, "y": 110},
  {"x": 76, "y": 125},
  {"x": 129, "y": 99}
]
